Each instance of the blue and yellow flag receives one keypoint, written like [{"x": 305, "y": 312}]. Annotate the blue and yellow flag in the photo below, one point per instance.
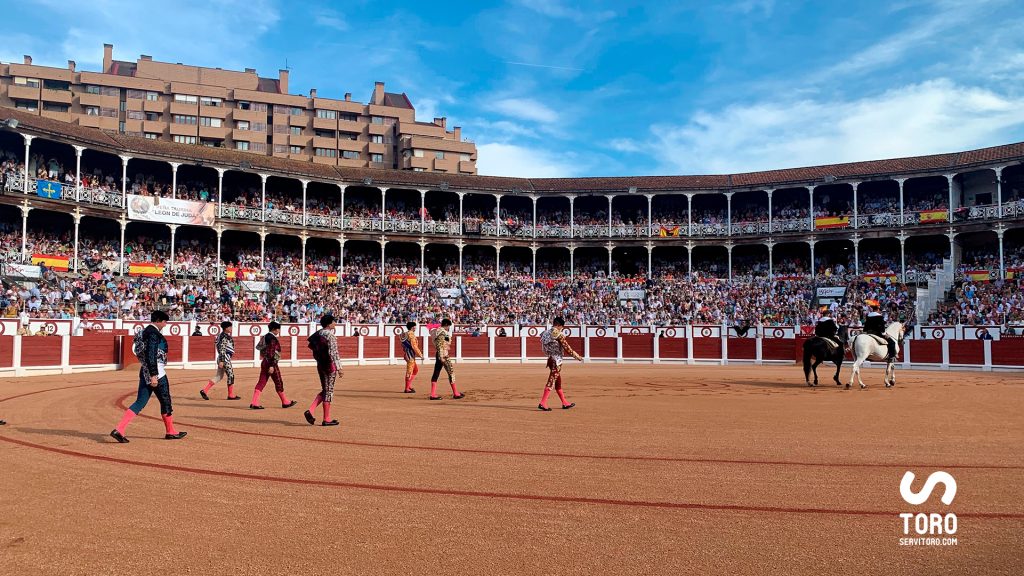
[{"x": 48, "y": 189}]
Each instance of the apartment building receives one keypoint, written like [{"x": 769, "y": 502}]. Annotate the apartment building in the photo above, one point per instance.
[{"x": 238, "y": 110}]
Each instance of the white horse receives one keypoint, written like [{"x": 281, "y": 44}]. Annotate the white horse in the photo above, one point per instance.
[{"x": 868, "y": 347}]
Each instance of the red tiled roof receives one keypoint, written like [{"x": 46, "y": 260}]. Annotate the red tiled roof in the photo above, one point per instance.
[
  {"x": 224, "y": 158},
  {"x": 397, "y": 100},
  {"x": 271, "y": 85}
]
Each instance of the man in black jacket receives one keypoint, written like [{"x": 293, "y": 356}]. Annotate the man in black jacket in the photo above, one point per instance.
[
  {"x": 152, "y": 379},
  {"x": 875, "y": 324}
]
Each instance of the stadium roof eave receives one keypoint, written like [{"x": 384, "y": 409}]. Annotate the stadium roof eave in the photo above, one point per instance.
[{"x": 910, "y": 167}]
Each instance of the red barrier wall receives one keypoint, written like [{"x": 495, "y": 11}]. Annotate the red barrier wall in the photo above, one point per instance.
[
  {"x": 507, "y": 347},
  {"x": 534, "y": 350},
  {"x": 373, "y": 347},
  {"x": 204, "y": 349},
  {"x": 707, "y": 348},
  {"x": 742, "y": 349},
  {"x": 286, "y": 346},
  {"x": 40, "y": 351},
  {"x": 965, "y": 351},
  {"x": 479, "y": 347},
  {"x": 94, "y": 349},
  {"x": 641, "y": 346},
  {"x": 926, "y": 351},
  {"x": 1008, "y": 352},
  {"x": 6, "y": 351},
  {"x": 601, "y": 347},
  {"x": 672, "y": 347},
  {"x": 302, "y": 349}
]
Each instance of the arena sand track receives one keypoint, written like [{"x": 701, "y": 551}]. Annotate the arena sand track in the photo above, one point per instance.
[{"x": 659, "y": 470}]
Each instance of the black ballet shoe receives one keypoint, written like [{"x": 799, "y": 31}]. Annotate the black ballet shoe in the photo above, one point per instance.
[
  {"x": 543, "y": 407},
  {"x": 567, "y": 406},
  {"x": 409, "y": 391},
  {"x": 459, "y": 397},
  {"x": 204, "y": 394},
  {"x": 436, "y": 398},
  {"x": 289, "y": 405},
  {"x": 118, "y": 436},
  {"x": 309, "y": 417},
  {"x": 255, "y": 407},
  {"x": 330, "y": 423},
  {"x": 177, "y": 436},
  {"x": 234, "y": 397}
]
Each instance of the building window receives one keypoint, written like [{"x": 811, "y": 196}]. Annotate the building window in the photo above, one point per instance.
[
  {"x": 136, "y": 115},
  {"x": 349, "y": 135},
  {"x": 241, "y": 145},
  {"x": 349, "y": 155},
  {"x": 152, "y": 96},
  {"x": 152, "y": 135},
  {"x": 439, "y": 155},
  {"x": 258, "y": 147},
  {"x": 29, "y": 105},
  {"x": 210, "y": 143},
  {"x": 124, "y": 106},
  {"x": 464, "y": 157},
  {"x": 153, "y": 116},
  {"x": 419, "y": 170},
  {"x": 259, "y": 127},
  {"x": 108, "y": 112},
  {"x": 325, "y": 152},
  {"x": 208, "y": 101},
  {"x": 328, "y": 114},
  {"x": 183, "y": 119},
  {"x": 241, "y": 124},
  {"x": 325, "y": 133},
  {"x": 131, "y": 94},
  {"x": 377, "y": 120},
  {"x": 280, "y": 149},
  {"x": 92, "y": 110},
  {"x": 347, "y": 117},
  {"x": 298, "y": 111},
  {"x": 56, "y": 85},
  {"x": 211, "y": 122},
  {"x": 378, "y": 158},
  {"x": 298, "y": 150},
  {"x": 53, "y": 107},
  {"x": 296, "y": 130},
  {"x": 184, "y": 139},
  {"x": 93, "y": 89},
  {"x": 30, "y": 82},
  {"x": 120, "y": 127},
  {"x": 186, "y": 98},
  {"x": 280, "y": 129},
  {"x": 377, "y": 138}
]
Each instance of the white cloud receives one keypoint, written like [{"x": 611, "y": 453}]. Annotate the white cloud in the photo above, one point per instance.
[
  {"x": 330, "y": 19},
  {"x": 926, "y": 118},
  {"x": 525, "y": 109},
  {"x": 496, "y": 159},
  {"x": 557, "y": 9},
  {"x": 625, "y": 145}
]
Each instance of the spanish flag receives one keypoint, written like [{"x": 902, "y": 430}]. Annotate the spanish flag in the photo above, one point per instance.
[
  {"x": 1012, "y": 273},
  {"x": 666, "y": 232},
  {"x": 407, "y": 279},
  {"x": 832, "y": 222},
  {"x": 54, "y": 262},
  {"x": 871, "y": 302},
  {"x": 328, "y": 277},
  {"x": 978, "y": 275},
  {"x": 147, "y": 269},
  {"x": 880, "y": 277},
  {"x": 940, "y": 215}
]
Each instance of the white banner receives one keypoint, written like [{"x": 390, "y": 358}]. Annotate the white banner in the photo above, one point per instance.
[
  {"x": 632, "y": 294},
  {"x": 255, "y": 286},
  {"x": 23, "y": 271},
  {"x": 449, "y": 292},
  {"x": 831, "y": 292},
  {"x": 170, "y": 211}
]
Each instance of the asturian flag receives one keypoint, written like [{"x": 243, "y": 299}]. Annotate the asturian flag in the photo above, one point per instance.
[{"x": 47, "y": 189}]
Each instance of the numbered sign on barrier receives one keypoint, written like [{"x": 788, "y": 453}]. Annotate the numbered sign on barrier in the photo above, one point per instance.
[
  {"x": 707, "y": 331},
  {"x": 936, "y": 332},
  {"x": 978, "y": 332},
  {"x": 778, "y": 332},
  {"x": 51, "y": 327}
]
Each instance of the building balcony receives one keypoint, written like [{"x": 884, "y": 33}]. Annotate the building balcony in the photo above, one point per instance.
[
  {"x": 467, "y": 167},
  {"x": 57, "y": 96},
  {"x": 183, "y": 129},
  {"x": 249, "y": 115},
  {"x": 155, "y": 126},
  {"x": 21, "y": 92},
  {"x": 328, "y": 143},
  {"x": 62, "y": 116},
  {"x": 325, "y": 160},
  {"x": 352, "y": 146},
  {"x": 211, "y": 132},
  {"x": 185, "y": 108},
  {"x": 352, "y": 162},
  {"x": 155, "y": 106},
  {"x": 325, "y": 123}
]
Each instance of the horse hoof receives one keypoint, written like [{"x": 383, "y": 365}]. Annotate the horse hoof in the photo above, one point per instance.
[
  {"x": 847, "y": 386},
  {"x": 863, "y": 386}
]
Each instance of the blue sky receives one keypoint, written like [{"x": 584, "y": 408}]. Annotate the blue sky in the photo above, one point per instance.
[{"x": 559, "y": 88}]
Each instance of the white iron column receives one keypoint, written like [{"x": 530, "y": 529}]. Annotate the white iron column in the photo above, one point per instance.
[
  {"x": 302, "y": 262},
  {"x": 461, "y": 245},
  {"x": 423, "y": 259},
  {"x": 810, "y": 190},
  {"x": 609, "y": 221},
  {"x": 174, "y": 178},
  {"x": 814, "y": 269},
  {"x": 856, "y": 254},
  {"x": 949, "y": 180},
  {"x": 1000, "y": 231},
  {"x": 220, "y": 263},
  {"x": 999, "y": 192},
  {"x": 903, "y": 256},
  {"x": 77, "y": 215},
  {"x": 25, "y": 209},
  {"x": 220, "y": 191},
  {"x": 610, "y": 248},
  {"x": 689, "y": 259},
  {"x": 534, "y": 235},
  {"x": 342, "y": 209},
  {"x": 497, "y": 215},
  {"x": 771, "y": 262},
  {"x": 497, "y": 259},
  {"x": 689, "y": 215},
  {"x": 263, "y": 246},
  {"x": 28, "y": 144},
  {"x": 650, "y": 215},
  {"x": 305, "y": 185},
  {"x": 855, "y": 185},
  {"x": 533, "y": 266},
  {"x": 728, "y": 214},
  {"x": 78, "y": 172},
  {"x": 423, "y": 211},
  {"x": 900, "y": 181},
  {"x": 572, "y": 260},
  {"x": 383, "y": 206},
  {"x": 728, "y": 248},
  {"x": 461, "y": 194},
  {"x": 383, "y": 242},
  {"x": 770, "y": 191},
  {"x": 572, "y": 220},
  {"x": 341, "y": 258},
  {"x": 263, "y": 201},
  {"x": 124, "y": 224},
  {"x": 650, "y": 258},
  {"x": 170, "y": 265},
  {"x": 124, "y": 181}
]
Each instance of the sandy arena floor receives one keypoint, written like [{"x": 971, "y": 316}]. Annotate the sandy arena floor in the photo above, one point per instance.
[{"x": 658, "y": 470}]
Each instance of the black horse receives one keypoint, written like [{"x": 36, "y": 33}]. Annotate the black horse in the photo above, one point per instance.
[{"x": 818, "y": 350}]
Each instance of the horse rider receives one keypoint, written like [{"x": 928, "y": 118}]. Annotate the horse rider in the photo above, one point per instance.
[
  {"x": 827, "y": 327},
  {"x": 875, "y": 324}
]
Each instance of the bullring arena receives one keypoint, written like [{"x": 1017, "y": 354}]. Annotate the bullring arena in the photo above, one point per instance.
[{"x": 694, "y": 445}]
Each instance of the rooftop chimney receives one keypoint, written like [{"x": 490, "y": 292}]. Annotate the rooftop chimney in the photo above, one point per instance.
[
  {"x": 283, "y": 81},
  {"x": 348, "y": 96},
  {"x": 28, "y": 60},
  {"x": 108, "y": 57},
  {"x": 442, "y": 122},
  {"x": 250, "y": 70},
  {"x": 146, "y": 57},
  {"x": 378, "y": 93},
  {"x": 71, "y": 65},
  {"x": 312, "y": 92},
  {"x": 458, "y": 134}
]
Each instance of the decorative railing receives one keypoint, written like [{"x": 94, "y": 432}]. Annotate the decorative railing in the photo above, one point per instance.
[
  {"x": 235, "y": 212},
  {"x": 363, "y": 224},
  {"x": 885, "y": 220},
  {"x": 412, "y": 226},
  {"x": 797, "y": 225},
  {"x": 552, "y": 231},
  {"x": 630, "y": 231},
  {"x": 749, "y": 228},
  {"x": 590, "y": 231},
  {"x": 701, "y": 229},
  {"x": 284, "y": 217}
]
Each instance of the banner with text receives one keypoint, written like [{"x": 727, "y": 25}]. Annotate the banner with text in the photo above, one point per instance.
[{"x": 167, "y": 210}]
